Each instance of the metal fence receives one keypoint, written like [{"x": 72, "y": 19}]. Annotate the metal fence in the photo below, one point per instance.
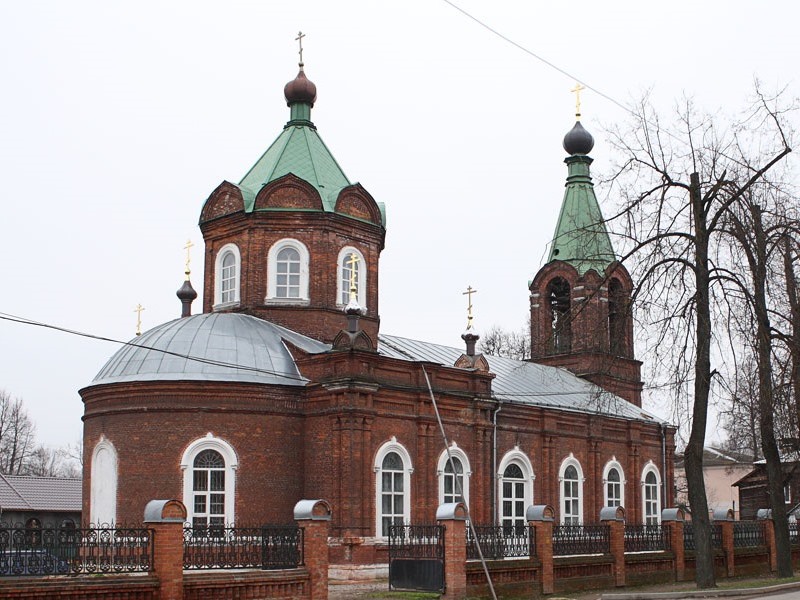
[
  {"x": 56, "y": 550},
  {"x": 497, "y": 542},
  {"x": 794, "y": 533},
  {"x": 747, "y": 534},
  {"x": 646, "y": 538},
  {"x": 688, "y": 536},
  {"x": 266, "y": 547},
  {"x": 581, "y": 539}
]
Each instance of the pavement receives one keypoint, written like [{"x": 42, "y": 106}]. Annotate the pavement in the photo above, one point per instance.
[{"x": 745, "y": 592}]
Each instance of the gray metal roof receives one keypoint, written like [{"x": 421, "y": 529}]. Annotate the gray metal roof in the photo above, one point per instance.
[
  {"x": 210, "y": 347},
  {"x": 23, "y": 492},
  {"x": 523, "y": 382}
]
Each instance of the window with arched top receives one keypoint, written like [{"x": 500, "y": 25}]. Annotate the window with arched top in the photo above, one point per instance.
[
  {"x": 287, "y": 270},
  {"x": 453, "y": 476},
  {"x": 392, "y": 487},
  {"x": 209, "y": 482},
  {"x": 558, "y": 298},
  {"x": 613, "y": 484},
  {"x": 617, "y": 315},
  {"x": 352, "y": 273},
  {"x": 571, "y": 487},
  {"x": 227, "y": 272},
  {"x": 515, "y": 478},
  {"x": 651, "y": 495},
  {"x": 103, "y": 492}
]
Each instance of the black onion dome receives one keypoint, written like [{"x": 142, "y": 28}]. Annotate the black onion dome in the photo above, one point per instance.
[
  {"x": 578, "y": 140},
  {"x": 186, "y": 292},
  {"x": 300, "y": 89}
]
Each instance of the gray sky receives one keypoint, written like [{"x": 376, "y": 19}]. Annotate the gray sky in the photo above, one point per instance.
[{"x": 119, "y": 118}]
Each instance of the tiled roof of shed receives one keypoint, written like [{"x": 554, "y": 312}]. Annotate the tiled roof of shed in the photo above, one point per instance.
[
  {"x": 24, "y": 492},
  {"x": 523, "y": 382}
]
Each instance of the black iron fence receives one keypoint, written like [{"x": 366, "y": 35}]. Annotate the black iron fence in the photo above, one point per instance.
[
  {"x": 56, "y": 550},
  {"x": 688, "y": 536},
  {"x": 498, "y": 541},
  {"x": 747, "y": 534},
  {"x": 794, "y": 533},
  {"x": 646, "y": 538},
  {"x": 581, "y": 539},
  {"x": 266, "y": 547}
]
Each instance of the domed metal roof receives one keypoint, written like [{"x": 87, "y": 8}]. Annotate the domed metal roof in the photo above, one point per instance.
[{"x": 210, "y": 347}]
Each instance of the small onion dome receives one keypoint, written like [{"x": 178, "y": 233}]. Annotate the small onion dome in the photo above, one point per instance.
[
  {"x": 300, "y": 90},
  {"x": 186, "y": 292},
  {"x": 578, "y": 140}
]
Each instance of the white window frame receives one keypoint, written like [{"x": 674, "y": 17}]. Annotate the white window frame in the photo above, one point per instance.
[
  {"x": 392, "y": 446},
  {"x": 103, "y": 494},
  {"x": 515, "y": 456},
  {"x": 210, "y": 442},
  {"x": 613, "y": 464},
  {"x": 650, "y": 467},
  {"x": 343, "y": 287},
  {"x": 459, "y": 454},
  {"x": 234, "y": 250},
  {"x": 570, "y": 461},
  {"x": 272, "y": 272}
]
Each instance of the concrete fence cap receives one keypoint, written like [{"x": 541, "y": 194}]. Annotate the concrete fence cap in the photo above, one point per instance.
[
  {"x": 673, "y": 514},
  {"x": 164, "y": 511},
  {"x": 612, "y": 513},
  {"x": 451, "y": 511},
  {"x": 312, "y": 510},
  {"x": 540, "y": 512},
  {"x": 722, "y": 514},
  {"x": 764, "y": 513}
]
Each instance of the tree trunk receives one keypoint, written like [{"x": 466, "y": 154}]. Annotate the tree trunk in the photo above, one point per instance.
[
  {"x": 693, "y": 456},
  {"x": 794, "y": 340}
]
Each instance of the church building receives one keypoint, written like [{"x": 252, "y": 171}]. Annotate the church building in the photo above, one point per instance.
[{"x": 284, "y": 387}]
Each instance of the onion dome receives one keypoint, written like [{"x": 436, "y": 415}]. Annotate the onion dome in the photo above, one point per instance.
[
  {"x": 300, "y": 90},
  {"x": 186, "y": 294},
  {"x": 578, "y": 140}
]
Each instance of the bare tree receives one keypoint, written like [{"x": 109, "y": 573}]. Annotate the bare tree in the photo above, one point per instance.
[
  {"x": 509, "y": 344},
  {"x": 16, "y": 435},
  {"x": 677, "y": 185}
]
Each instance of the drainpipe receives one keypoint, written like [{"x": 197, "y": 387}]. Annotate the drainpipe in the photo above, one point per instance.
[
  {"x": 664, "y": 465},
  {"x": 493, "y": 474}
]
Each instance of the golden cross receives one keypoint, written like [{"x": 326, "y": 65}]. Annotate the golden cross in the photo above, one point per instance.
[
  {"x": 138, "y": 310},
  {"x": 577, "y": 91},
  {"x": 188, "y": 247},
  {"x": 468, "y": 294},
  {"x": 352, "y": 261},
  {"x": 299, "y": 38}
]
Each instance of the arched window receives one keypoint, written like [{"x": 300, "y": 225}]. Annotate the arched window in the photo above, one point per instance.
[
  {"x": 617, "y": 314},
  {"x": 287, "y": 266},
  {"x": 613, "y": 484},
  {"x": 515, "y": 477},
  {"x": 558, "y": 300},
  {"x": 351, "y": 269},
  {"x": 392, "y": 487},
  {"x": 571, "y": 480},
  {"x": 209, "y": 466},
  {"x": 453, "y": 478},
  {"x": 103, "y": 500},
  {"x": 651, "y": 495},
  {"x": 227, "y": 271}
]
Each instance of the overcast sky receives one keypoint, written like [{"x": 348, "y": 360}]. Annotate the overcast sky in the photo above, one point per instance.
[{"x": 119, "y": 118}]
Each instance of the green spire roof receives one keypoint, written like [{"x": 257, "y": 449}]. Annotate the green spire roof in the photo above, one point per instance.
[
  {"x": 298, "y": 150},
  {"x": 581, "y": 237}
]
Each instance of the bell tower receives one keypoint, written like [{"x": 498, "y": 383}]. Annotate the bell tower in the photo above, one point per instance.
[{"x": 581, "y": 299}]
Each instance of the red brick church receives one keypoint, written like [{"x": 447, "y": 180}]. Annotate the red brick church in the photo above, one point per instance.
[{"x": 285, "y": 388}]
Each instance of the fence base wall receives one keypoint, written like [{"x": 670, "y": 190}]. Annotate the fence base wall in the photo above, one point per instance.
[
  {"x": 107, "y": 587},
  {"x": 222, "y": 585},
  {"x": 510, "y": 578},
  {"x": 577, "y": 573},
  {"x": 650, "y": 567}
]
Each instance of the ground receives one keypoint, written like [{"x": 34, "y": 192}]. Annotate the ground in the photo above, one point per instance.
[{"x": 379, "y": 590}]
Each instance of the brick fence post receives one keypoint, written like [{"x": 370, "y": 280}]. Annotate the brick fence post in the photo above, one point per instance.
[
  {"x": 540, "y": 517},
  {"x": 725, "y": 519},
  {"x": 614, "y": 516},
  {"x": 765, "y": 515},
  {"x": 453, "y": 516},
  {"x": 314, "y": 518},
  {"x": 674, "y": 519},
  {"x": 166, "y": 518}
]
